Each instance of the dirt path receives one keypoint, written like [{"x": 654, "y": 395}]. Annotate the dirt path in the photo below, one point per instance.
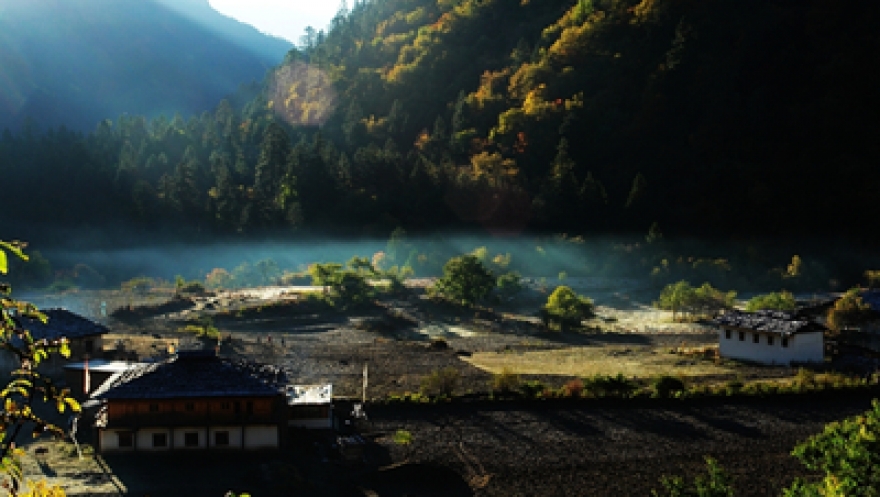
[{"x": 606, "y": 451}]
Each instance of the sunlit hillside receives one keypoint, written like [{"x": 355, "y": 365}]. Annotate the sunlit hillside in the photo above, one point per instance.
[{"x": 503, "y": 116}]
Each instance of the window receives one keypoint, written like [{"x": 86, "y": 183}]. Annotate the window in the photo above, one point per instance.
[
  {"x": 124, "y": 439},
  {"x": 742, "y": 336},
  {"x": 769, "y": 340},
  {"x": 221, "y": 438},
  {"x": 727, "y": 334},
  {"x": 189, "y": 406},
  {"x": 785, "y": 342},
  {"x": 154, "y": 407},
  {"x": 225, "y": 406},
  {"x": 756, "y": 338},
  {"x": 160, "y": 440},
  {"x": 89, "y": 346},
  {"x": 191, "y": 439},
  {"x": 250, "y": 407}
]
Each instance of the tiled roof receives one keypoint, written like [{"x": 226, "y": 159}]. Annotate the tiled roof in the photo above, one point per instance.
[
  {"x": 193, "y": 375},
  {"x": 778, "y": 322},
  {"x": 63, "y": 323}
]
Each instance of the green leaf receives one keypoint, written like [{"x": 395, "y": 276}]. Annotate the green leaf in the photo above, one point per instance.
[{"x": 4, "y": 265}]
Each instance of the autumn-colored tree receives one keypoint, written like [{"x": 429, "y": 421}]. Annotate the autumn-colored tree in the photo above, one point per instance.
[
  {"x": 849, "y": 310},
  {"x": 26, "y": 388}
]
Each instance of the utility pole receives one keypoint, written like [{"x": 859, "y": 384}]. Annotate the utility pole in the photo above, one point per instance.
[{"x": 364, "y": 392}]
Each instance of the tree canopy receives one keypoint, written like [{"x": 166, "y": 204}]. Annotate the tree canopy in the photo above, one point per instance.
[{"x": 408, "y": 113}]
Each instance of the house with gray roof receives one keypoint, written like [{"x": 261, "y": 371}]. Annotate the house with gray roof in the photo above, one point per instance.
[
  {"x": 770, "y": 337},
  {"x": 84, "y": 337},
  {"x": 194, "y": 400}
]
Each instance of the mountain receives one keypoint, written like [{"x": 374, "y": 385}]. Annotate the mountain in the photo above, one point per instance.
[
  {"x": 730, "y": 119},
  {"x": 75, "y": 63}
]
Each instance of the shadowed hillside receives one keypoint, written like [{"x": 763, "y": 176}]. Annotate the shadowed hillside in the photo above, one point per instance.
[{"x": 76, "y": 63}]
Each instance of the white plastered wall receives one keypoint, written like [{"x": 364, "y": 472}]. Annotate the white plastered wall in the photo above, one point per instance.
[
  {"x": 145, "y": 439},
  {"x": 261, "y": 437},
  {"x": 180, "y": 437},
  {"x": 234, "y": 436},
  {"x": 802, "y": 347},
  {"x": 109, "y": 440}
]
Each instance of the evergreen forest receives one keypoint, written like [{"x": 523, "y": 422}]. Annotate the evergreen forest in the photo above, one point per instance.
[{"x": 731, "y": 118}]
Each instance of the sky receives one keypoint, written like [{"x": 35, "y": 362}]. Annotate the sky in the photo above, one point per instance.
[{"x": 283, "y": 18}]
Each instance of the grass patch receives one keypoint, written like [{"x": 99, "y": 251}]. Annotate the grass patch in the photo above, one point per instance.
[{"x": 590, "y": 361}]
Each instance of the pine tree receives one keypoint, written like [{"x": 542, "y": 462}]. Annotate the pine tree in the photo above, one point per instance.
[{"x": 274, "y": 153}]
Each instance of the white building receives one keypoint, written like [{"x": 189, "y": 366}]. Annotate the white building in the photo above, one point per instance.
[
  {"x": 310, "y": 406},
  {"x": 770, "y": 337}
]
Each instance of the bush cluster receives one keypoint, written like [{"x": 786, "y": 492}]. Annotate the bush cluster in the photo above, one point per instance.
[{"x": 442, "y": 385}]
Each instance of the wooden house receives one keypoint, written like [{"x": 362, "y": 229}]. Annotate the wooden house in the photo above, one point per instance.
[
  {"x": 770, "y": 337},
  {"x": 84, "y": 336},
  {"x": 193, "y": 401}
]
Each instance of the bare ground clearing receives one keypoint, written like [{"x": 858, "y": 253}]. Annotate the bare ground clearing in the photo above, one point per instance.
[
  {"x": 506, "y": 450},
  {"x": 605, "y": 451}
]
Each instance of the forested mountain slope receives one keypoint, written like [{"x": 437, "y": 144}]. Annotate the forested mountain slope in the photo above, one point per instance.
[
  {"x": 728, "y": 118},
  {"x": 75, "y": 63}
]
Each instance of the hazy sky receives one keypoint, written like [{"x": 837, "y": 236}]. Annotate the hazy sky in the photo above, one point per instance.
[{"x": 284, "y": 18}]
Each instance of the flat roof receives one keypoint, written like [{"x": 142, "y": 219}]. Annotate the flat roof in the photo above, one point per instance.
[
  {"x": 308, "y": 394},
  {"x": 103, "y": 365}
]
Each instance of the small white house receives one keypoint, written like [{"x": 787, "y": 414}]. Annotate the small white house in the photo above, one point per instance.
[
  {"x": 310, "y": 406},
  {"x": 770, "y": 337}
]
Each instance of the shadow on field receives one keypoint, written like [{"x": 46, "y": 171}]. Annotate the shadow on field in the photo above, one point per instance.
[
  {"x": 424, "y": 480},
  {"x": 592, "y": 338}
]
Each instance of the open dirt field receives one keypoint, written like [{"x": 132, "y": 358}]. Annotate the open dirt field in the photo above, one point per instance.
[
  {"x": 502, "y": 449},
  {"x": 601, "y": 451}
]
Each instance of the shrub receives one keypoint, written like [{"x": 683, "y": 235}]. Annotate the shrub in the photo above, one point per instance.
[
  {"x": 203, "y": 328},
  {"x": 665, "y": 386},
  {"x": 574, "y": 388},
  {"x": 610, "y": 386},
  {"x": 805, "y": 377},
  {"x": 438, "y": 344},
  {"x": 733, "y": 386},
  {"x": 532, "y": 388},
  {"x": 682, "y": 298},
  {"x": 782, "y": 301},
  {"x": 846, "y": 452},
  {"x": 506, "y": 382},
  {"x": 849, "y": 310},
  {"x": 465, "y": 280},
  {"x": 139, "y": 285},
  {"x": 193, "y": 287},
  {"x": 442, "y": 382},
  {"x": 566, "y": 308},
  {"x": 403, "y": 437},
  {"x": 717, "y": 483},
  {"x": 509, "y": 285}
]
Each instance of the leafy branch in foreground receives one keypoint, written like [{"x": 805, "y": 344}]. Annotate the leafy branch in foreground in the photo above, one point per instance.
[
  {"x": 848, "y": 452},
  {"x": 26, "y": 386},
  {"x": 716, "y": 483}
]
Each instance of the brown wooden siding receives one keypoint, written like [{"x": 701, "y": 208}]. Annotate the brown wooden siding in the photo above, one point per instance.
[{"x": 179, "y": 412}]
